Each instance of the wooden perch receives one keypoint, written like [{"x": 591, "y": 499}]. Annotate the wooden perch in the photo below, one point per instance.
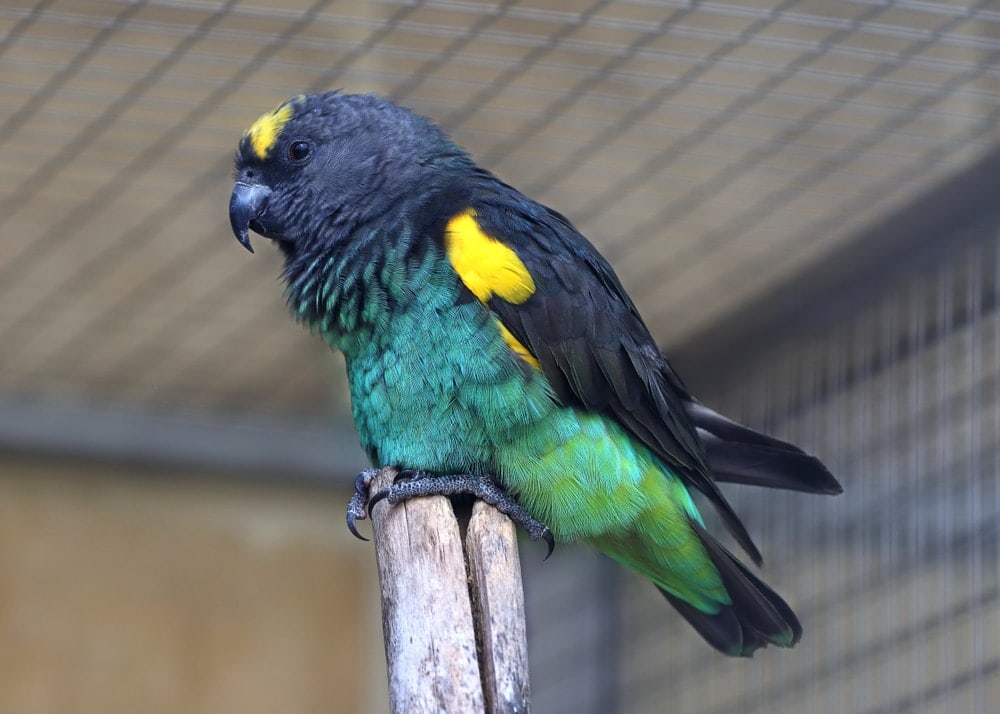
[{"x": 452, "y": 617}]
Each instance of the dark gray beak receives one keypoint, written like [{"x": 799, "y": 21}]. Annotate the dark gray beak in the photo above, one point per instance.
[{"x": 246, "y": 204}]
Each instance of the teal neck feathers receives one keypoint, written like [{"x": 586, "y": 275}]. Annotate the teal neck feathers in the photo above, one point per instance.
[{"x": 349, "y": 292}]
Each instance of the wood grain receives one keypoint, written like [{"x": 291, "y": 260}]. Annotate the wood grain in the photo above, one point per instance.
[
  {"x": 498, "y": 608},
  {"x": 452, "y": 619}
]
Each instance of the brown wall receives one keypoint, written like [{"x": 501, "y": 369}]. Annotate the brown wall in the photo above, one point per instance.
[{"x": 136, "y": 592}]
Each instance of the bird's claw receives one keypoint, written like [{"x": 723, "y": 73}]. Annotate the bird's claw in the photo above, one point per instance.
[
  {"x": 381, "y": 495},
  {"x": 550, "y": 541},
  {"x": 359, "y": 507}
]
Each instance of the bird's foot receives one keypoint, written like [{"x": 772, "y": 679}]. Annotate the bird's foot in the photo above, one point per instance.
[
  {"x": 357, "y": 507},
  {"x": 411, "y": 483}
]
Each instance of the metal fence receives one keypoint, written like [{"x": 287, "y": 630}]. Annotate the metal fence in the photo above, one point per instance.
[
  {"x": 717, "y": 152},
  {"x": 897, "y": 581},
  {"x": 696, "y": 143}
]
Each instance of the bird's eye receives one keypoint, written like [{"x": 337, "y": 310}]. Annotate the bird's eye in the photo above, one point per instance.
[{"x": 299, "y": 150}]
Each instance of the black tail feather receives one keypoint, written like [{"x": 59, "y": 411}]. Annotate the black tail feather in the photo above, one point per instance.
[
  {"x": 757, "y": 617},
  {"x": 738, "y": 454}
]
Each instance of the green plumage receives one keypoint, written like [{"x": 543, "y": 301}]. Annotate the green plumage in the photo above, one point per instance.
[{"x": 593, "y": 433}]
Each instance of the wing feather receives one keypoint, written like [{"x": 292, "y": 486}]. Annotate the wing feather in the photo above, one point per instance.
[{"x": 591, "y": 343}]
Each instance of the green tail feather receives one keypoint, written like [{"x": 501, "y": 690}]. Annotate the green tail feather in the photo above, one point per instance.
[{"x": 757, "y": 616}]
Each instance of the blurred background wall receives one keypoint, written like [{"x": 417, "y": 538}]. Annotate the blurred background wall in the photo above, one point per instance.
[
  {"x": 801, "y": 196},
  {"x": 123, "y": 590}
]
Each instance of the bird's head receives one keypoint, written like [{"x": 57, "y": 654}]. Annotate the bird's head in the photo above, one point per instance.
[{"x": 317, "y": 162}]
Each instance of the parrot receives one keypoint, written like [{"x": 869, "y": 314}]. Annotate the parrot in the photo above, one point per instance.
[{"x": 491, "y": 350}]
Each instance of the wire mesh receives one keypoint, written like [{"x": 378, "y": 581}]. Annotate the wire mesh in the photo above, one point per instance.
[
  {"x": 696, "y": 143},
  {"x": 709, "y": 149},
  {"x": 897, "y": 579}
]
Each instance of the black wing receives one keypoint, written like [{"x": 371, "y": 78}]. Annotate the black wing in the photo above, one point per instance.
[{"x": 591, "y": 343}]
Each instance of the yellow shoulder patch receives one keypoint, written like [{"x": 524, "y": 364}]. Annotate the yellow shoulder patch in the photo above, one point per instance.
[
  {"x": 264, "y": 132},
  {"x": 485, "y": 265},
  {"x": 516, "y": 345}
]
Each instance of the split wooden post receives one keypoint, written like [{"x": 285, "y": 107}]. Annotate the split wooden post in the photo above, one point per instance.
[{"x": 452, "y": 617}]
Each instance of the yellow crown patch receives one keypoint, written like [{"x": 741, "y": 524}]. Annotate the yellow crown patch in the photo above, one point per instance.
[{"x": 263, "y": 133}]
